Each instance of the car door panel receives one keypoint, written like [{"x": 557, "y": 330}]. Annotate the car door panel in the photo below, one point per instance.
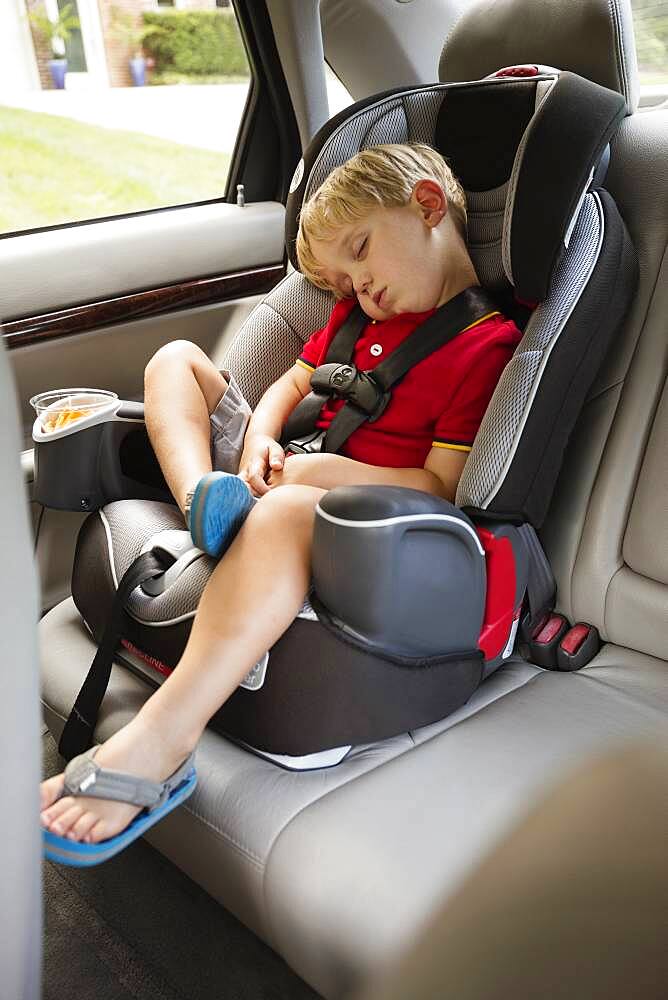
[
  {"x": 51, "y": 269},
  {"x": 148, "y": 273}
]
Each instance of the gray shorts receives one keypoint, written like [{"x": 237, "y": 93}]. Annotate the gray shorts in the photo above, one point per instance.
[{"x": 228, "y": 427}]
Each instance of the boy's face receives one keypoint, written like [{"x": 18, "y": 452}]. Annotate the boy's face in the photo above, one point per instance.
[{"x": 393, "y": 260}]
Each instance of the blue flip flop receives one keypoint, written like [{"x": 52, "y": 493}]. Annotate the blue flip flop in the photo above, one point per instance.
[
  {"x": 84, "y": 777},
  {"x": 220, "y": 505}
]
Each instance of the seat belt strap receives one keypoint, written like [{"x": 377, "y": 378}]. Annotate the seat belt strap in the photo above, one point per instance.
[
  {"x": 462, "y": 312},
  {"x": 77, "y": 735},
  {"x": 342, "y": 347},
  {"x": 541, "y": 585}
]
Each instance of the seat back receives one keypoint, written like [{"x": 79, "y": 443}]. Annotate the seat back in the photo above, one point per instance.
[
  {"x": 20, "y": 840},
  {"x": 541, "y": 231},
  {"x": 607, "y": 531}
]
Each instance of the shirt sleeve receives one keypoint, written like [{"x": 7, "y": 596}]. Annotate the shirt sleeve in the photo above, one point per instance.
[
  {"x": 313, "y": 349},
  {"x": 483, "y": 364}
]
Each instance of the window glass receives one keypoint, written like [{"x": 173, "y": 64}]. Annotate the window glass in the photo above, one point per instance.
[
  {"x": 115, "y": 106},
  {"x": 650, "y": 23},
  {"x": 337, "y": 95}
]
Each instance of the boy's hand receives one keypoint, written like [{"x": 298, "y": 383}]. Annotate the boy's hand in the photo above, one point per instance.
[
  {"x": 317, "y": 469},
  {"x": 261, "y": 456}
]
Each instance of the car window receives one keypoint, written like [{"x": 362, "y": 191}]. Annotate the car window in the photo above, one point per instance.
[
  {"x": 650, "y": 24},
  {"x": 337, "y": 94},
  {"x": 114, "y": 108}
]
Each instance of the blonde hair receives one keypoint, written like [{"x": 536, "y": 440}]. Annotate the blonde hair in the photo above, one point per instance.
[{"x": 382, "y": 176}]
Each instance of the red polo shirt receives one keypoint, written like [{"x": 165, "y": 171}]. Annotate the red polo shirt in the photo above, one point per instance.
[{"x": 438, "y": 403}]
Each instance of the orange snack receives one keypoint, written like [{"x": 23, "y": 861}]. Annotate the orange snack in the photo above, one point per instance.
[{"x": 56, "y": 422}]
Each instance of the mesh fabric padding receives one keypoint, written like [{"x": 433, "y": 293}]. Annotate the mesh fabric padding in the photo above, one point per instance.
[
  {"x": 272, "y": 337},
  {"x": 392, "y": 123},
  {"x": 407, "y": 118},
  {"x": 496, "y": 440},
  {"x": 421, "y": 113},
  {"x": 485, "y": 233},
  {"x": 131, "y": 523}
]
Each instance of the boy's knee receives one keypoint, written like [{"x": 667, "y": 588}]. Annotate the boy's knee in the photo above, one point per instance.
[
  {"x": 177, "y": 352},
  {"x": 288, "y": 502}
]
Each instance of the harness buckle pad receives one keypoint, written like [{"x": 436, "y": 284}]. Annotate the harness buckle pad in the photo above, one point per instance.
[{"x": 357, "y": 387}]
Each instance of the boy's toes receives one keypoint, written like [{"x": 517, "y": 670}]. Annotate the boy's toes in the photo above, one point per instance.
[
  {"x": 80, "y": 830},
  {"x": 54, "y": 813},
  {"x": 97, "y": 832},
  {"x": 50, "y": 790},
  {"x": 66, "y": 820}
]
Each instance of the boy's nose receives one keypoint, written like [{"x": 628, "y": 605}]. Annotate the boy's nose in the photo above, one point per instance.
[{"x": 361, "y": 284}]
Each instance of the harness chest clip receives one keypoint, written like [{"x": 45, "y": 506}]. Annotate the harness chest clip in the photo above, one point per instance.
[{"x": 357, "y": 387}]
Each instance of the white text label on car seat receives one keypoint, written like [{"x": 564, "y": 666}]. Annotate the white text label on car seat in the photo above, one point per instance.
[{"x": 511, "y": 639}]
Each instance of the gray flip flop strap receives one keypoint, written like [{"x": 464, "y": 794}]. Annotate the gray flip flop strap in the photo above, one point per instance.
[{"x": 84, "y": 777}]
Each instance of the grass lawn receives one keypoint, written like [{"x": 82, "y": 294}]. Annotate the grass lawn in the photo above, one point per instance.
[
  {"x": 653, "y": 78},
  {"x": 55, "y": 170}
]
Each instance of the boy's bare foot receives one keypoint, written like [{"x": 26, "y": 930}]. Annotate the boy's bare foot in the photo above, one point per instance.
[{"x": 136, "y": 749}]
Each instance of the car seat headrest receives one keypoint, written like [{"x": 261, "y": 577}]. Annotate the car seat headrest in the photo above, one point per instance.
[
  {"x": 523, "y": 147},
  {"x": 593, "y": 38}
]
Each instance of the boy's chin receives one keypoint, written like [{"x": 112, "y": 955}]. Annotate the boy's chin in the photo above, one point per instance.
[{"x": 374, "y": 312}]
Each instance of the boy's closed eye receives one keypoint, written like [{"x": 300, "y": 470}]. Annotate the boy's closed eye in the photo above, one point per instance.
[
  {"x": 360, "y": 248},
  {"x": 345, "y": 286}
]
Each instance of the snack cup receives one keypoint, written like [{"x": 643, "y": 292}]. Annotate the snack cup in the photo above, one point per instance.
[{"x": 59, "y": 408}]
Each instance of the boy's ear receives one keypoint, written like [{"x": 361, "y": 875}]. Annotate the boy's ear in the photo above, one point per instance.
[{"x": 431, "y": 201}]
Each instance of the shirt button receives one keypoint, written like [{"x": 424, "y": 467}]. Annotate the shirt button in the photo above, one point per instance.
[{"x": 376, "y": 350}]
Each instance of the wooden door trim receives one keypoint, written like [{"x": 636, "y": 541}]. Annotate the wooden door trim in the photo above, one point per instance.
[{"x": 21, "y": 331}]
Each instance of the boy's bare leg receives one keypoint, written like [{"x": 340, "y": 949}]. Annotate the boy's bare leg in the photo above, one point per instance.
[
  {"x": 182, "y": 387},
  {"x": 252, "y": 597}
]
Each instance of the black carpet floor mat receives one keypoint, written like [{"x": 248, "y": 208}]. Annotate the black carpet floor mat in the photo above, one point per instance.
[{"x": 137, "y": 928}]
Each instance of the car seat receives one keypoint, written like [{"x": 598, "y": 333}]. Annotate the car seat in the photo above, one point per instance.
[{"x": 547, "y": 241}]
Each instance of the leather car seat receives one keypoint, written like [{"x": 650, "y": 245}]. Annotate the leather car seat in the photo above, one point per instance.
[{"x": 572, "y": 905}]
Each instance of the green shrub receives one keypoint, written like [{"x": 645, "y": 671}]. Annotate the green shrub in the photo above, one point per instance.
[{"x": 196, "y": 42}]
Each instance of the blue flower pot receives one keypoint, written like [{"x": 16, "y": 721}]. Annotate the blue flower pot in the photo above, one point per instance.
[
  {"x": 138, "y": 71},
  {"x": 58, "y": 68}
]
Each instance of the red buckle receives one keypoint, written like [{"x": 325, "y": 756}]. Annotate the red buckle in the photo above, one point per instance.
[
  {"x": 526, "y": 70},
  {"x": 549, "y": 630},
  {"x": 578, "y": 646},
  {"x": 545, "y": 641},
  {"x": 574, "y": 638}
]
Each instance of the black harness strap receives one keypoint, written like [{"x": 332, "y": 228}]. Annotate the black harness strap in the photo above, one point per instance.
[
  {"x": 77, "y": 735},
  {"x": 367, "y": 393},
  {"x": 303, "y": 418}
]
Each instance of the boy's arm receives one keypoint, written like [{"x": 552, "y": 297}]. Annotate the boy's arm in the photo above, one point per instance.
[
  {"x": 440, "y": 474},
  {"x": 261, "y": 448}
]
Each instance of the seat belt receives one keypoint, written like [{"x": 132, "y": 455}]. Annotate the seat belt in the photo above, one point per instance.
[
  {"x": 367, "y": 393},
  {"x": 77, "y": 736},
  {"x": 541, "y": 585}
]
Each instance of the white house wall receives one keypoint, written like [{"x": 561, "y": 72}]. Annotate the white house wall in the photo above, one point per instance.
[{"x": 18, "y": 67}]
